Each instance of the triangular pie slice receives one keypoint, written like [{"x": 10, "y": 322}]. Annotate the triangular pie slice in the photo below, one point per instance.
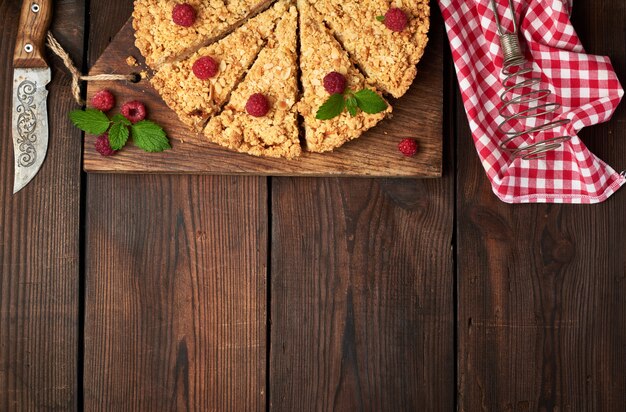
[
  {"x": 322, "y": 54},
  {"x": 195, "y": 100},
  {"x": 387, "y": 58},
  {"x": 274, "y": 74},
  {"x": 161, "y": 41}
]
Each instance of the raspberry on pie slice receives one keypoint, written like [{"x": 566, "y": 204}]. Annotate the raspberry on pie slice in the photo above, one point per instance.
[
  {"x": 274, "y": 76},
  {"x": 387, "y": 58},
  {"x": 322, "y": 54},
  {"x": 162, "y": 37},
  {"x": 196, "y": 97}
]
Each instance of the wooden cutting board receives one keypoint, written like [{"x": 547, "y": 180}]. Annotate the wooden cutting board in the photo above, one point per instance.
[{"x": 417, "y": 115}]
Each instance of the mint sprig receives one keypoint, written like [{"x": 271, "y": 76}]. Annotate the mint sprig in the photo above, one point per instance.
[
  {"x": 149, "y": 136},
  {"x": 146, "y": 134},
  {"x": 367, "y": 100},
  {"x": 333, "y": 107},
  {"x": 352, "y": 104},
  {"x": 118, "y": 136},
  {"x": 370, "y": 102},
  {"x": 90, "y": 121},
  {"x": 118, "y": 118}
]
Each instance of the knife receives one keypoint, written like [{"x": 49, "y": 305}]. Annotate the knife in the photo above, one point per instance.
[{"x": 30, "y": 76}]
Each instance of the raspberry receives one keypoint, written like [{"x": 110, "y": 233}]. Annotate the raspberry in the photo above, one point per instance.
[
  {"x": 396, "y": 20},
  {"x": 205, "y": 67},
  {"x": 257, "y": 105},
  {"x": 103, "y": 100},
  {"x": 103, "y": 146},
  {"x": 134, "y": 111},
  {"x": 335, "y": 83},
  {"x": 184, "y": 15},
  {"x": 408, "y": 147}
]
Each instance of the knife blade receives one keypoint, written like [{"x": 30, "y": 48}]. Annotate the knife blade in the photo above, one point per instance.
[{"x": 30, "y": 76}]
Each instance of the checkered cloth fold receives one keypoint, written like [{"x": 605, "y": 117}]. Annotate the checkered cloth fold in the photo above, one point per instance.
[{"x": 586, "y": 86}]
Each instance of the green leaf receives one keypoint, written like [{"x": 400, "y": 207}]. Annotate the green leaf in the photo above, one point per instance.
[
  {"x": 333, "y": 107},
  {"x": 118, "y": 118},
  {"x": 90, "y": 121},
  {"x": 352, "y": 105},
  {"x": 370, "y": 102},
  {"x": 118, "y": 135},
  {"x": 149, "y": 136},
  {"x": 380, "y": 18}
]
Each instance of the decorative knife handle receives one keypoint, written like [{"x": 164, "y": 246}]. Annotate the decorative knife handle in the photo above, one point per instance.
[{"x": 34, "y": 23}]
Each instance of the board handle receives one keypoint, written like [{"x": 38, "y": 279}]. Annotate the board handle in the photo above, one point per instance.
[{"x": 35, "y": 20}]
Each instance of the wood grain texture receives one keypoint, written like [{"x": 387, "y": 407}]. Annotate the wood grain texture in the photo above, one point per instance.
[
  {"x": 39, "y": 240},
  {"x": 32, "y": 31},
  {"x": 417, "y": 115},
  {"x": 176, "y": 284},
  {"x": 176, "y": 291},
  {"x": 362, "y": 313},
  {"x": 541, "y": 287}
]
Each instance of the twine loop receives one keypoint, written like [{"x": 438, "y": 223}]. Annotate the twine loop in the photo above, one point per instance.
[{"x": 77, "y": 76}]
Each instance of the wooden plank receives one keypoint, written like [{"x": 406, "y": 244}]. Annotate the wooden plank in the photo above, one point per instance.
[
  {"x": 176, "y": 284},
  {"x": 176, "y": 293},
  {"x": 39, "y": 239},
  {"x": 541, "y": 287},
  {"x": 362, "y": 314},
  {"x": 374, "y": 154}
]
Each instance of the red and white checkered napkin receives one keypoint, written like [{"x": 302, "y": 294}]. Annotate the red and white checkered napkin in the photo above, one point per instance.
[{"x": 585, "y": 85}]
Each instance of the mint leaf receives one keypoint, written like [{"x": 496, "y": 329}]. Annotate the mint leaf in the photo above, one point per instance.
[
  {"x": 118, "y": 135},
  {"x": 118, "y": 118},
  {"x": 333, "y": 107},
  {"x": 380, "y": 18},
  {"x": 370, "y": 102},
  {"x": 149, "y": 136},
  {"x": 90, "y": 121},
  {"x": 352, "y": 105}
]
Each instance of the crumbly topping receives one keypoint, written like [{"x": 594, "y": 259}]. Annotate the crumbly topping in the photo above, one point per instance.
[
  {"x": 196, "y": 100},
  {"x": 242, "y": 9},
  {"x": 274, "y": 74},
  {"x": 321, "y": 54},
  {"x": 367, "y": 53},
  {"x": 160, "y": 40},
  {"x": 132, "y": 61},
  {"x": 387, "y": 58}
]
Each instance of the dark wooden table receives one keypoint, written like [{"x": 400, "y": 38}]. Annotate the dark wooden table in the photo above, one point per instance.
[{"x": 150, "y": 293}]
